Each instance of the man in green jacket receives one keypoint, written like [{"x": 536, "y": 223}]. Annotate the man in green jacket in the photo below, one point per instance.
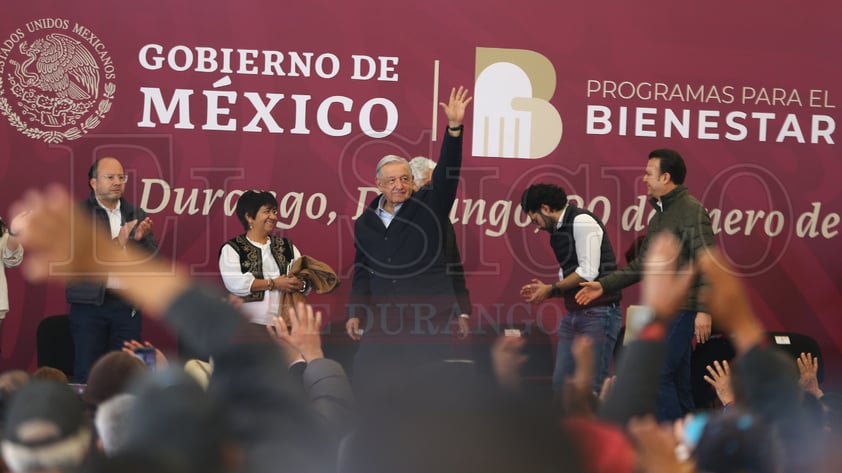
[{"x": 678, "y": 212}]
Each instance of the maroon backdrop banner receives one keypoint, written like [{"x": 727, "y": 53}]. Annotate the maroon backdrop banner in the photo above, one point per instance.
[{"x": 203, "y": 100}]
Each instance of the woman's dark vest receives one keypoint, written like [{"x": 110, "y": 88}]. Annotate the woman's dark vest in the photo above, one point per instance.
[{"x": 251, "y": 259}]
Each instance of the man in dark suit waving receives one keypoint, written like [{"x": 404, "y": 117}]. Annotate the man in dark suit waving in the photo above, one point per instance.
[{"x": 400, "y": 281}]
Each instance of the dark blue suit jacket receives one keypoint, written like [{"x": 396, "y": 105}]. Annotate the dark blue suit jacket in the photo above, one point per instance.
[{"x": 405, "y": 263}]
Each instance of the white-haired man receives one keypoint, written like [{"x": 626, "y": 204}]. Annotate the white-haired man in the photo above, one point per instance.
[{"x": 111, "y": 422}]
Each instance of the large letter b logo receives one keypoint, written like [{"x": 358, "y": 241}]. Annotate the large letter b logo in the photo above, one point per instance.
[{"x": 513, "y": 117}]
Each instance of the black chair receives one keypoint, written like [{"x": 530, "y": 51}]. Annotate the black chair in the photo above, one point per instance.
[
  {"x": 717, "y": 348},
  {"x": 795, "y": 344},
  {"x": 55, "y": 344}
]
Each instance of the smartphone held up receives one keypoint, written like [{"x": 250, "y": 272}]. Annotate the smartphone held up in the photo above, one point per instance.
[{"x": 146, "y": 354}]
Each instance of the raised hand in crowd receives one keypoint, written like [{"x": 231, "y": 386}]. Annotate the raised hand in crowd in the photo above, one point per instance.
[
  {"x": 607, "y": 385},
  {"x": 304, "y": 335},
  {"x": 720, "y": 378},
  {"x": 507, "y": 360},
  {"x": 665, "y": 285},
  {"x": 656, "y": 446},
  {"x": 583, "y": 355},
  {"x": 279, "y": 333},
  {"x": 17, "y": 223},
  {"x": 578, "y": 392},
  {"x": 808, "y": 367}
]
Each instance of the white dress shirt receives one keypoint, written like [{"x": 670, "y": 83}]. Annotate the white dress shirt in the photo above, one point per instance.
[{"x": 588, "y": 237}]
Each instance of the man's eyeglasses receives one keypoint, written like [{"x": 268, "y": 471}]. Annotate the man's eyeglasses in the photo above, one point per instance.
[{"x": 111, "y": 177}]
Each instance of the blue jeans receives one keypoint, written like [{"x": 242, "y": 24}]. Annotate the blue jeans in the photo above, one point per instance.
[
  {"x": 675, "y": 392},
  {"x": 601, "y": 325}
]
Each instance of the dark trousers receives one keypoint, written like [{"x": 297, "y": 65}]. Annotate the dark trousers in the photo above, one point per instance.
[
  {"x": 675, "y": 393},
  {"x": 401, "y": 338},
  {"x": 98, "y": 329}
]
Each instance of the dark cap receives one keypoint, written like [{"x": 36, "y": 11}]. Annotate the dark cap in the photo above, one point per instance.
[{"x": 43, "y": 413}]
